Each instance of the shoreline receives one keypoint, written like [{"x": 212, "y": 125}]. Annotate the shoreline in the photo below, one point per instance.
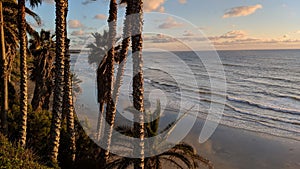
[
  {"x": 235, "y": 148},
  {"x": 230, "y": 148}
]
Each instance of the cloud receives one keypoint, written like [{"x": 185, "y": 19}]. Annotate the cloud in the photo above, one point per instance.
[
  {"x": 78, "y": 33},
  {"x": 87, "y": 2},
  {"x": 153, "y": 5},
  {"x": 241, "y": 11},
  {"x": 49, "y": 1},
  {"x": 74, "y": 24},
  {"x": 182, "y": 1},
  {"x": 188, "y": 33},
  {"x": 100, "y": 16},
  {"x": 235, "y": 34},
  {"x": 159, "y": 38},
  {"x": 170, "y": 23}
]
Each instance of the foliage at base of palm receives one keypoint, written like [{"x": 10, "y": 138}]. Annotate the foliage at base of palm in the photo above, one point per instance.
[
  {"x": 12, "y": 157},
  {"x": 38, "y": 135}
]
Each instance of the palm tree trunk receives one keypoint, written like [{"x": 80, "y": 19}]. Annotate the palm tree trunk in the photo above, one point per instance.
[
  {"x": 68, "y": 97},
  {"x": 68, "y": 108},
  {"x": 100, "y": 121},
  {"x": 110, "y": 108},
  {"x": 124, "y": 51},
  {"x": 60, "y": 6},
  {"x": 138, "y": 82},
  {"x": 23, "y": 70},
  {"x": 3, "y": 76}
]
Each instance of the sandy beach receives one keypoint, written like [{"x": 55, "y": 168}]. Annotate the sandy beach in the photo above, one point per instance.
[{"x": 232, "y": 148}]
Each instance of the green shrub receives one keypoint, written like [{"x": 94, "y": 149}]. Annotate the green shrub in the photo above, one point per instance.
[{"x": 15, "y": 157}]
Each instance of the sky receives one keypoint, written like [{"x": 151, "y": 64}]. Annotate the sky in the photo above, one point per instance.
[{"x": 190, "y": 24}]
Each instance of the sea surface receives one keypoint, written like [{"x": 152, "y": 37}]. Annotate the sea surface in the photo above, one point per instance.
[{"x": 262, "y": 87}]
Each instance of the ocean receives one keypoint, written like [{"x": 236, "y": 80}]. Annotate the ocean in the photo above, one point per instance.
[{"x": 262, "y": 87}]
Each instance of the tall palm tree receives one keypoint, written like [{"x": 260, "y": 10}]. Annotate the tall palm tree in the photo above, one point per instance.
[
  {"x": 4, "y": 77},
  {"x": 110, "y": 108},
  {"x": 138, "y": 80},
  {"x": 182, "y": 155},
  {"x": 98, "y": 55},
  {"x": 60, "y": 24},
  {"x": 68, "y": 107},
  {"x": 23, "y": 66},
  {"x": 120, "y": 57},
  {"x": 9, "y": 40},
  {"x": 124, "y": 49}
]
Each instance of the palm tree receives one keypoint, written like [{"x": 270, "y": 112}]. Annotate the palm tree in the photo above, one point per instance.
[
  {"x": 68, "y": 108},
  {"x": 98, "y": 55},
  {"x": 60, "y": 23},
  {"x": 110, "y": 108},
  {"x": 138, "y": 80},
  {"x": 182, "y": 155},
  {"x": 23, "y": 66},
  {"x": 42, "y": 49},
  {"x": 124, "y": 49},
  {"x": 120, "y": 57},
  {"x": 4, "y": 77},
  {"x": 9, "y": 40}
]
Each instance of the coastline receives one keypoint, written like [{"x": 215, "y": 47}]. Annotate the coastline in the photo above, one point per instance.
[{"x": 234, "y": 148}]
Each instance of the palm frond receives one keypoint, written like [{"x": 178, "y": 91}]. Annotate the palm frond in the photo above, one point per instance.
[
  {"x": 172, "y": 162},
  {"x": 179, "y": 156}
]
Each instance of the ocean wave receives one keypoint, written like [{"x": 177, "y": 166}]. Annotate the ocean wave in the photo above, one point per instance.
[
  {"x": 266, "y": 107},
  {"x": 275, "y": 94},
  {"x": 261, "y": 117}
]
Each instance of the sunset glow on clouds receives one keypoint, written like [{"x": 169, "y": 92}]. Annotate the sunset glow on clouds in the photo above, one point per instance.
[
  {"x": 228, "y": 24},
  {"x": 241, "y": 11},
  {"x": 154, "y": 5}
]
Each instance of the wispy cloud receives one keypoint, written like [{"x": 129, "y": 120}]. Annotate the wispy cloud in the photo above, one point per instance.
[
  {"x": 74, "y": 24},
  {"x": 170, "y": 23},
  {"x": 241, "y": 11},
  {"x": 100, "y": 16}
]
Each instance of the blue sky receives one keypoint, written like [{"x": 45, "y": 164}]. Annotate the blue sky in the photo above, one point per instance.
[{"x": 228, "y": 24}]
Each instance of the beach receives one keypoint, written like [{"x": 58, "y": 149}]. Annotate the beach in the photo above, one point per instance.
[{"x": 232, "y": 148}]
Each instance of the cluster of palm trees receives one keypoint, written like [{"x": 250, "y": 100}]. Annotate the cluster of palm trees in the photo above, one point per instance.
[
  {"x": 106, "y": 53},
  {"x": 14, "y": 30},
  {"x": 52, "y": 61}
]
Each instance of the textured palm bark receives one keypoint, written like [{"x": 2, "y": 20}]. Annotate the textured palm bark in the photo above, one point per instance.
[
  {"x": 138, "y": 82},
  {"x": 23, "y": 70},
  {"x": 124, "y": 51},
  {"x": 110, "y": 107},
  {"x": 68, "y": 107},
  {"x": 3, "y": 76},
  {"x": 60, "y": 20},
  {"x": 43, "y": 82},
  {"x": 100, "y": 121}
]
